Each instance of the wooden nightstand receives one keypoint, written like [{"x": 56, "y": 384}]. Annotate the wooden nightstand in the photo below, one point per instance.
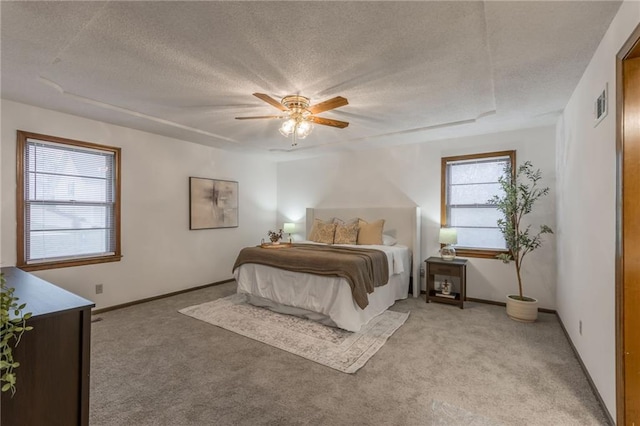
[{"x": 452, "y": 268}]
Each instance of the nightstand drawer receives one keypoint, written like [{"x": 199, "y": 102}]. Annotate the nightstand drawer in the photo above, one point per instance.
[{"x": 439, "y": 269}]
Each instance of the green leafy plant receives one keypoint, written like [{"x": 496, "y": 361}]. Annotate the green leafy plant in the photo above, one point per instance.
[
  {"x": 520, "y": 192},
  {"x": 13, "y": 324}
]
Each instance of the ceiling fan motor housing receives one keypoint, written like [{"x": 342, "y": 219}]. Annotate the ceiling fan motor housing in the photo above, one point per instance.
[{"x": 296, "y": 103}]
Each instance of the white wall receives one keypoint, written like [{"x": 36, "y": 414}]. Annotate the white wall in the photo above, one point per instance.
[
  {"x": 586, "y": 171},
  {"x": 409, "y": 175},
  {"x": 161, "y": 254}
]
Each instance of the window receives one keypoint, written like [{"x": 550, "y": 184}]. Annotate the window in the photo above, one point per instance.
[
  {"x": 468, "y": 182},
  {"x": 68, "y": 202}
]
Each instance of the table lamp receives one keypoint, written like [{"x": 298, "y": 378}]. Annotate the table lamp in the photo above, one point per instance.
[
  {"x": 448, "y": 236},
  {"x": 289, "y": 228}
]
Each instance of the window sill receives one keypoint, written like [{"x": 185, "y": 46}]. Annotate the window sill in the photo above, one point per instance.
[
  {"x": 479, "y": 253},
  {"x": 68, "y": 263}
]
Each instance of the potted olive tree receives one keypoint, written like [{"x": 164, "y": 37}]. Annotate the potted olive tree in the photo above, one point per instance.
[
  {"x": 13, "y": 323},
  {"x": 520, "y": 192}
]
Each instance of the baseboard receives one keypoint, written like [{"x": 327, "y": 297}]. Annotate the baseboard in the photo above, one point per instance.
[
  {"x": 493, "y": 302},
  {"x": 594, "y": 389},
  {"x": 161, "y": 296}
]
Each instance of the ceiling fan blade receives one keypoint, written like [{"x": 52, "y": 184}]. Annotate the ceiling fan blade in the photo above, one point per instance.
[
  {"x": 329, "y": 122},
  {"x": 268, "y": 99},
  {"x": 261, "y": 116},
  {"x": 332, "y": 103}
]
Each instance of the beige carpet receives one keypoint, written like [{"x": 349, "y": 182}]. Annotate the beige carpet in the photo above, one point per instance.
[
  {"x": 445, "y": 414},
  {"x": 333, "y": 347},
  {"x": 153, "y": 366}
]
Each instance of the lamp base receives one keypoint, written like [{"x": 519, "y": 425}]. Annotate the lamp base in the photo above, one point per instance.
[{"x": 448, "y": 253}]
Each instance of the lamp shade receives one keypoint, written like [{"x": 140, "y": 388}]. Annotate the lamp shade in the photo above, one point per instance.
[
  {"x": 289, "y": 227},
  {"x": 448, "y": 236}
]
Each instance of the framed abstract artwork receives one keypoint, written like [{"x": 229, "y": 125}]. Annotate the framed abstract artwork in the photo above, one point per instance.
[{"x": 212, "y": 203}]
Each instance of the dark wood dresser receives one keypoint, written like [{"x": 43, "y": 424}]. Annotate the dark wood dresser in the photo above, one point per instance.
[{"x": 53, "y": 377}]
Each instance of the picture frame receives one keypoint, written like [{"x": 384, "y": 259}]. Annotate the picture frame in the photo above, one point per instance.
[{"x": 213, "y": 203}]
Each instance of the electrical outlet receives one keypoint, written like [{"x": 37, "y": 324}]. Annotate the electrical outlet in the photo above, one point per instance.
[
  {"x": 422, "y": 272},
  {"x": 98, "y": 288},
  {"x": 580, "y": 327}
]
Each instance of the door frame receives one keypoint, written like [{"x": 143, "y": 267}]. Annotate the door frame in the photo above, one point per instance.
[{"x": 630, "y": 50}]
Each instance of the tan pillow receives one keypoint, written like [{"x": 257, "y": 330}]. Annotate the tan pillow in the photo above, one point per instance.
[
  {"x": 314, "y": 229},
  {"x": 346, "y": 234},
  {"x": 370, "y": 233},
  {"x": 345, "y": 222},
  {"x": 324, "y": 232}
]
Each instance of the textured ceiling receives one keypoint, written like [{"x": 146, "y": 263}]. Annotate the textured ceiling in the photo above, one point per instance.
[{"x": 412, "y": 71}]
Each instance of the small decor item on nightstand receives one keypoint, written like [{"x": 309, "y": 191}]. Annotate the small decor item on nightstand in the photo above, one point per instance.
[
  {"x": 448, "y": 236},
  {"x": 275, "y": 237},
  {"x": 446, "y": 287}
]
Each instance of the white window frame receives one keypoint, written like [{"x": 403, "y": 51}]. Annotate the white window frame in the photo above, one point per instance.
[
  {"x": 23, "y": 204},
  {"x": 481, "y": 252}
]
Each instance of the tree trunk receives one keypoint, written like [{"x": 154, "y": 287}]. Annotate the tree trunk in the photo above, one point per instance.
[{"x": 519, "y": 278}]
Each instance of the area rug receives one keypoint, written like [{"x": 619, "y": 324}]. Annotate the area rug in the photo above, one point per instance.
[
  {"x": 445, "y": 414},
  {"x": 333, "y": 347}
]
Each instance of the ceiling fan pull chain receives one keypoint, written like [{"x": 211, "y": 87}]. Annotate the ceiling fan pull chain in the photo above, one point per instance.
[{"x": 295, "y": 133}]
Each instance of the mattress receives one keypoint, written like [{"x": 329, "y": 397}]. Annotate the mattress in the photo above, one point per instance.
[{"x": 324, "y": 299}]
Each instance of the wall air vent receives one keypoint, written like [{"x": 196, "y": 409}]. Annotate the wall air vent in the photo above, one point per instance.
[{"x": 600, "y": 106}]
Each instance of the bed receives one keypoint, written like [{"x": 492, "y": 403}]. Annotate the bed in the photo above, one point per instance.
[{"x": 329, "y": 299}]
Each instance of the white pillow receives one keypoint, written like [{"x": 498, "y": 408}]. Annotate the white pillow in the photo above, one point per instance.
[{"x": 388, "y": 240}]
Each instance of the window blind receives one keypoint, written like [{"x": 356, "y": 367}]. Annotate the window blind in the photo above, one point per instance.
[
  {"x": 69, "y": 202},
  {"x": 470, "y": 184}
]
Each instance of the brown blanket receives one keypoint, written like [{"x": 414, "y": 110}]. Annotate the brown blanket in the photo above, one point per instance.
[{"x": 363, "y": 269}]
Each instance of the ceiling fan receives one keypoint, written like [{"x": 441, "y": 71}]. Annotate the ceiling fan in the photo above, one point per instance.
[{"x": 299, "y": 115}]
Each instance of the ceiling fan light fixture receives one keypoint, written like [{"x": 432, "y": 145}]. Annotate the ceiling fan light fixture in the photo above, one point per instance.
[
  {"x": 300, "y": 115},
  {"x": 288, "y": 126},
  {"x": 303, "y": 129}
]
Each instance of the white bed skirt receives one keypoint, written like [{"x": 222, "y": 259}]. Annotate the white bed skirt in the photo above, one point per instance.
[{"x": 320, "y": 298}]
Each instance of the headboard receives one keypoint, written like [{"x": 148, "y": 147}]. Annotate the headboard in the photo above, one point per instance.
[{"x": 402, "y": 223}]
